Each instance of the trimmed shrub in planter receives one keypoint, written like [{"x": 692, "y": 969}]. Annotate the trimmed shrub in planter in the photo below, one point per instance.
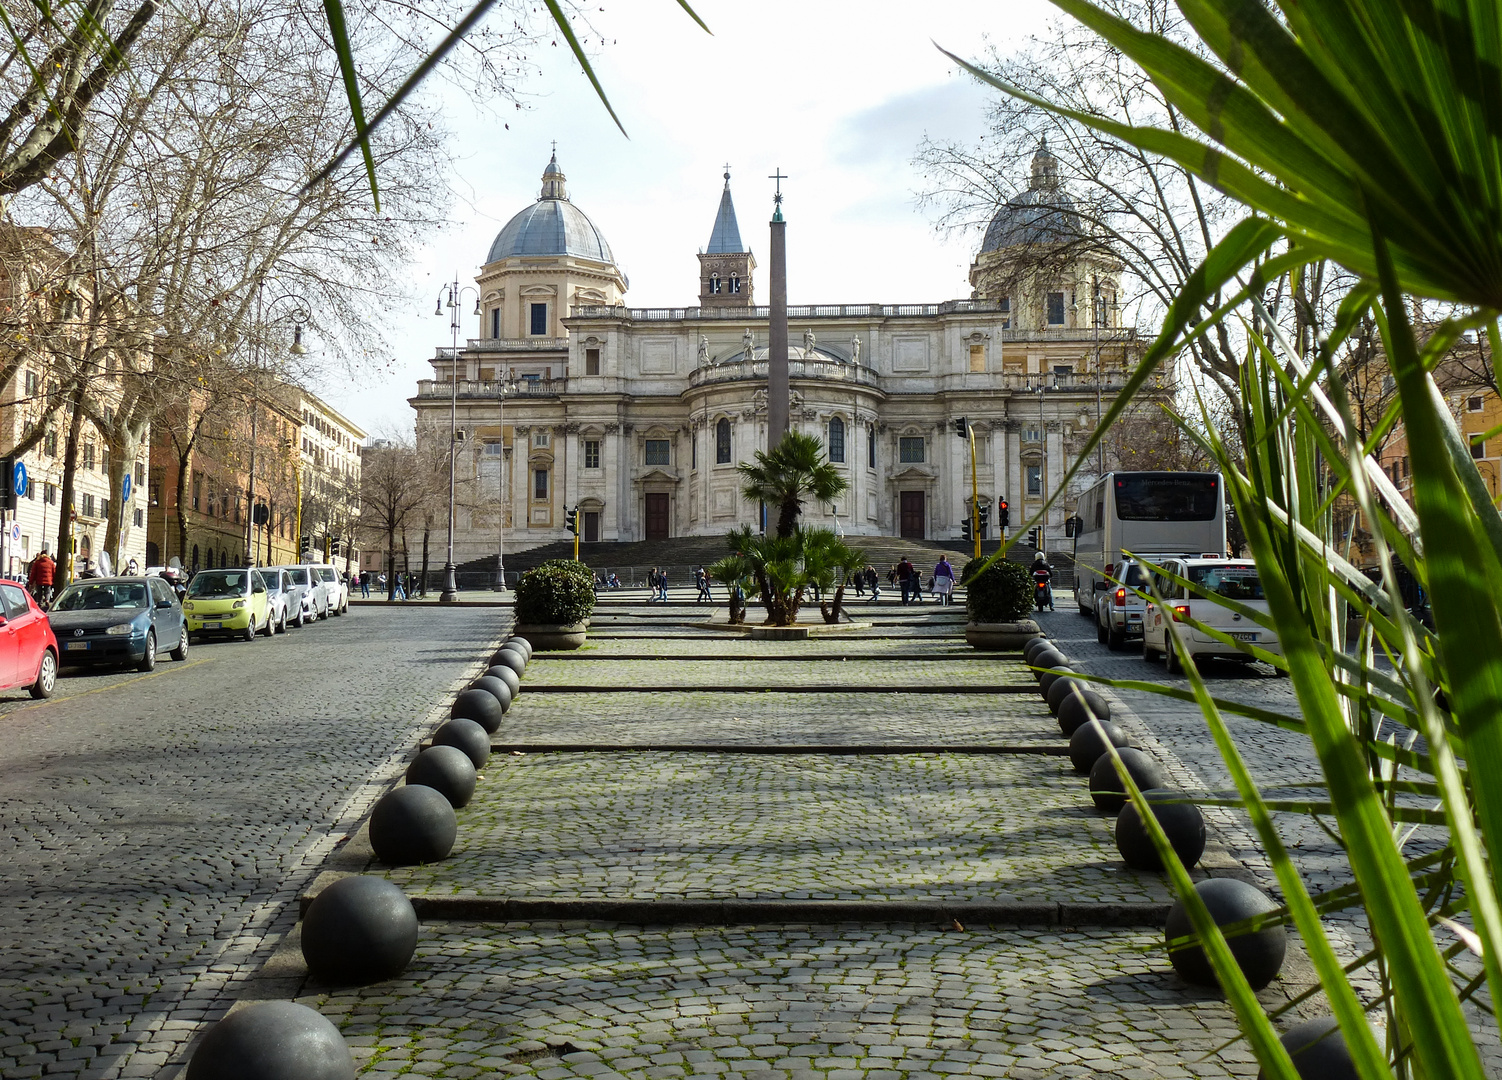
[
  {"x": 998, "y": 602},
  {"x": 553, "y": 603}
]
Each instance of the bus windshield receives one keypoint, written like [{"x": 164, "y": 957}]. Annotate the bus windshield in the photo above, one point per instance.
[{"x": 1167, "y": 497}]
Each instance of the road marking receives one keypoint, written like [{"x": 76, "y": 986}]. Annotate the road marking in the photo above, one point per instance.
[{"x": 177, "y": 666}]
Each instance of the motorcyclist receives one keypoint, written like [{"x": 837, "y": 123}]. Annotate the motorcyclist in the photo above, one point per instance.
[{"x": 1042, "y": 581}]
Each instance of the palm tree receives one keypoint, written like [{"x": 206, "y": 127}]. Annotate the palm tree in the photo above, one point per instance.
[{"x": 793, "y": 470}]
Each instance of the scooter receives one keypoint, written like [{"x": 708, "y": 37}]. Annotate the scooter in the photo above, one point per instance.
[{"x": 1043, "y": 589}]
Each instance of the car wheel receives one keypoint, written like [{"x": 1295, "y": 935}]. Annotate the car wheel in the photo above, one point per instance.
[
  {"x": 283, "y": 627},
  {"x": 148, "y": 661},
  {"x": 250, "y": 629},
  {"x": 301, "y": 618},
  {"x": 1171, "y": 663},
  {"x": 1100, "y": 630},
  {"x": 270, "y": 626},
  {"x": 181, "y": 652},
  {"x": 46, "y": 676},
  {"x": 1115, "y": 639},
  {"x": 1085, "y": 609},
  {"x": 1149, "y": 654}
]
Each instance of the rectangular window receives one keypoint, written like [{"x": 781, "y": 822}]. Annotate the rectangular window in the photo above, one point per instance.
[
  {"x": 88, "y": 455},
  {"x": 1032, "y": 435},
  {"x": 910, "y": 448},
  {"x": 837, "y": 440},
  {"x": 693, "y": 453},
  {"x": 88, "y": 505},
  {"x": 138, "y": 517},
  {"x": 591, "y": 361},
  {"x": 1035, "y": 480},
  {"x": 1405, "y": 465},
  {"x": 49, "y": 442},
  {"x": 1478, "y": 449},
  {"x": 540, "y": 484},
  {"x": 722, "y": 442},
  {"x": 539, "y": 324},
  {"x": 977, "y": 358},
  {"x": 495, "y": 322},
  {"x": 591, "y": 453},
  {"x": 31, "y": 382},
  {"x": 1055, "y": 309},
  {"x": 1474, "y": 404},
  {"x": 1063, "y": 371},
  {"x": 140, "y": 475},
  {"x": 49, "y": 494},
  {"x": 871, "y": 447},
  {"x": 1169, "y": 496},
  {"x": 540, "y": 440},
  {"x": 657, "y": 451}
]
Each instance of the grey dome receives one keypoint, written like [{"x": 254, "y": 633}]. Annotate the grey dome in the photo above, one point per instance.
[
  {"x": 551, "y": 226},
  {"x": 1043, "y": 214}
]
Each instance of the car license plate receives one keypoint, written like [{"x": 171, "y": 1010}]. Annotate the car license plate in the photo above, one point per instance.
[
  {"x": 207, "y": 625},
  {"x": 1244, "y": 637},
  {"x": 1134, "y": 622},
  {"x": 77, "y": 646}
]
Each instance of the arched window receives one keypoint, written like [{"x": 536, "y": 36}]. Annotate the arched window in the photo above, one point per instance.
[
  {"x": 194, "y": 564},
  {"x": 714, "y": 284},
  {"x": 735, "y": 283},
  {"x": 836, "y": 439},
  {"x": 722, "y": 442}
]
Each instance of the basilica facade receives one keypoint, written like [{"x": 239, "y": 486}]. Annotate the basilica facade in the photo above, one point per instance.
[{"x": 637, "y": 417}]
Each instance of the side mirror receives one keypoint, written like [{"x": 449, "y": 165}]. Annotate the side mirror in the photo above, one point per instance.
[{"x": 164, "y": 603}]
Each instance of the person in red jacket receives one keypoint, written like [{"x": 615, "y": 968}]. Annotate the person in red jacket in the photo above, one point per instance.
[{"x": 39, "y": 578}]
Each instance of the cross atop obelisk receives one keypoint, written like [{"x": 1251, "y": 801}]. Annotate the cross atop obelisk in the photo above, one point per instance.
[{"x": 777, "y": 335}]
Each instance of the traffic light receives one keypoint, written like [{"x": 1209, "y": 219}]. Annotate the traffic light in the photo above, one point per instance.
[
  {"x": 573, "y": 521},
  {"x": 965, "y": 530},
  {"x": 962, "y": 427},
  {"x": 1003, "y": 514},
  {"x": 984, "y": 514},
  {"x": 1035, "y": 537},
  {"x": 10, "y": 498}
]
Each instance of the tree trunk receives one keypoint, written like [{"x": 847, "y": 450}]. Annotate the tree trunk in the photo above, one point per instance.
[
  {"x": 737, "y": 606},
  {"x": 787, "y": 518},
  {"x": 427, "y": 531},
  {"x": 833, "y": 611},
  {"x": 122, "y": 462},
  {"x": 390, "y": 561},
  {"x": 184, "y": 463},
  {"x": 65, "y": 511}
]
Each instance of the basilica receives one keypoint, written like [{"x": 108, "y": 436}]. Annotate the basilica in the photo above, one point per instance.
[{"x": 636, "y": 418}]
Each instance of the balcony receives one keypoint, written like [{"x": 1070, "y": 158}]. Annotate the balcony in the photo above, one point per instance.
[
  {"x": 489, "y": 389},
  {"x": 528, "y": 344},
  {"x": 823, "y": 370}
]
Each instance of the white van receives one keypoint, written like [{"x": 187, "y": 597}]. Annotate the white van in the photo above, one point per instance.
[{"x": 1235, "y": 579}]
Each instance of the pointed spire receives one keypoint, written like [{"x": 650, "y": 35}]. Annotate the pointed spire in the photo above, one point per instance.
[
  {"x": 552, "y": 179},
  {"x": 1045, "y": 167},
  {"x": 726, "y": 238}
]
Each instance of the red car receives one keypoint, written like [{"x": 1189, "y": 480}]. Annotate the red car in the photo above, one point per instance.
[{"x": 28, "y": 649}]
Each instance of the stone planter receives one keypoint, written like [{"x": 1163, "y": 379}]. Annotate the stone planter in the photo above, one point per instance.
[
  {"x": 553, "y": 636},
  {"x": 1000, "y": 636}
]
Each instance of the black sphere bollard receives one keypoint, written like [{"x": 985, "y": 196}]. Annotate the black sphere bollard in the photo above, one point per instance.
[
  {"x": 272, "y": 1040},
  {"x": 521, "y": 643},
  {"x": 412, "y": 825},
  {"x": 1318, "y": 1050},
  {"x": 359, "y": 930},
  {"x": 1259, "y": 953},
  {"x": 511, "y": 658},
  {"x": 1035, "y": 645},
  {"x": 1106, "y": 789},
  {"x": 1081, "y": 706},
  {"x": 1047, "y": 658},
  {"x": 507, "y": 676},
  {"x": 480, "y": 706},
  {"x": 1060, "y": 690},
  {"x": 1048, "y": 678},
  {"x": 1182, "y": 821},
  {"x": 448, "y": 771},
  {"x": 495, "y": 687},
  {"x": 468, "y": 735},
  {"x": 1089, "y": 742}
]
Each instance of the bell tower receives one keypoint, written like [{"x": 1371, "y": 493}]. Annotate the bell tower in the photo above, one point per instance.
[{"x": 725, "y": 265}]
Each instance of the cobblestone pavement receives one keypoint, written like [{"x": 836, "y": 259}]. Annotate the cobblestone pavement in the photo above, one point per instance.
[
  {"x": 842, "y": 1002},
  {"x": 157, "y": 829},
  {"x": 910, "y": 671},
  {"x": 714, "y": 826}
]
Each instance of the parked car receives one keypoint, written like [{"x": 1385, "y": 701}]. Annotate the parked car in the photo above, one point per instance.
[
  {"x": 119, "y": 620},
  {"x": 312, "y": 596},
  {"x": 338, "y": 591},
  {"x": 226, "y": 601},
  {"x": 1118, "y": 608},
  {"x": 280, "y": 596},
  {"x": 32, "y": 660},
  {"x": 1235, "y": 579}
]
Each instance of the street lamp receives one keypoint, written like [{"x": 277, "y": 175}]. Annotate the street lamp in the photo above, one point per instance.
[
  {"x": 300, "y": 313},
  {"x": 450, "y": 592},
  {"x": 505, "y": 387}
]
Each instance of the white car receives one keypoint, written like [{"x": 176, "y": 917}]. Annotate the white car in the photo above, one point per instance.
[
  {"x": 281, "y": 594},
  {"x": 338, "y": 592},
  {"x": 314, "y": 603},
  {"x": 1118, "y": 608},
  {"x": 1235, "y": 579}
]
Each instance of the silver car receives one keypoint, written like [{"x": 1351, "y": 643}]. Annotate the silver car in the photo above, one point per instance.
[
  {"x": 281, "y": 596},
  {"x": 1118, "y": 608},
  {"x": 312, "y": 598},
  {"x": 333, "y": 584}
]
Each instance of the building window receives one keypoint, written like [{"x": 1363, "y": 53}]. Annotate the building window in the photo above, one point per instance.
[
  {"x": 49, "y": 442},
  {"x": 1474, "y": 404},
  {"x": 1478, "y": 450},
  {"x": 49, "y": 494},
  {"x": 540, "y": 440},
  {"x": 871, "y": 447},
  {"x": 977, "y": 358},
  {"x": 714, "y": 284},
  {"x": 197, "y": 488},
  {"x": 88, "y": 505},
  {"x": 693, "y": 453},
  {"x": 1035, "y": 480},
  {"x": 735, "y": 283},
  {"x": 140, "y": 475},
  {"x": 540, "y": 484},
  {"x": 591, "y": 453},
  {"x": 722, "y": 442},
  {"x": 1405, "y": 465},
  {"x": 910, "y": 448},
  {"x": 138, "y": 517},
  {"x": 1006, "y": 309},
  {"x": 31, "y": 382},
  {"x": 1032, "y": 435},
  {"x": 88, "y": 455},
  {"x": 591, "y": 361},
  {"x": 1055, "y": 309},
  {"x": 495, "y": 322},
  {"x": 540, "y": 320},
  {"x": 837, "y": 440},
  {"x": 657, "y": 451}
]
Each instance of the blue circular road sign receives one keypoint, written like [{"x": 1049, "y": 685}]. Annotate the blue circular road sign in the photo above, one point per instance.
[
  {"x": 18, "y": 479},
  {"x": 125, "y": 489}
]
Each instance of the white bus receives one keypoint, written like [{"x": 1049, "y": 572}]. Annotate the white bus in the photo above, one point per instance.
[{"x": 1149, "y": 514}]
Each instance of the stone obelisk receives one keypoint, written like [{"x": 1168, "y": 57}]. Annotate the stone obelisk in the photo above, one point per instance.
[{"x": 777, "y": 342}]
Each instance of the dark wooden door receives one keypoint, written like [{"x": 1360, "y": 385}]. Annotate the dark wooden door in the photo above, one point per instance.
[
  {"x": 657, "y": 515},
  {"x": 591, "y": 526},
  {"x": 912, "y": 515}
]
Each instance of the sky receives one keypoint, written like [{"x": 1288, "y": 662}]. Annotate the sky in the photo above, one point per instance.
[{"x": 836, "y": 96}]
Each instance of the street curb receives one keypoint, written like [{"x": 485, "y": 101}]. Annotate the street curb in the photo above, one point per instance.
[
  {"x": 805, "y": 749},
  {"x": 805, "y": 688}
]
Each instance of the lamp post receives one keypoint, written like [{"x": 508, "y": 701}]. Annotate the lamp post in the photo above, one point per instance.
[
  {"x": 450, "y": 592},
  {"x": 300, "y": 312},
  {"x": 505, "y": 387},
  {"x": 1042, "y": 465}
]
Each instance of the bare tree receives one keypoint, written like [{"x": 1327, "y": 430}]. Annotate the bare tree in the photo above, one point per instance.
[{"x": 392, "y": 490}]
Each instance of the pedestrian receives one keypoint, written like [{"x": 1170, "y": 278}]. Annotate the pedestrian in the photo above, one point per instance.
[
  {"x": 39, "y": 577},
  {"x": 873, "y": 579},
  {"x": 365, "y": 585},
  {"x": 905, "y": 581},
  {"x": 662, "y": 585},
  {"x": 704, "y": 594},
  {"x": 858, "y": 581},
  {"x": 401, "y": 594},
  {"x": 652, "y": 585},
  {"x": 944, "y": 580}
]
